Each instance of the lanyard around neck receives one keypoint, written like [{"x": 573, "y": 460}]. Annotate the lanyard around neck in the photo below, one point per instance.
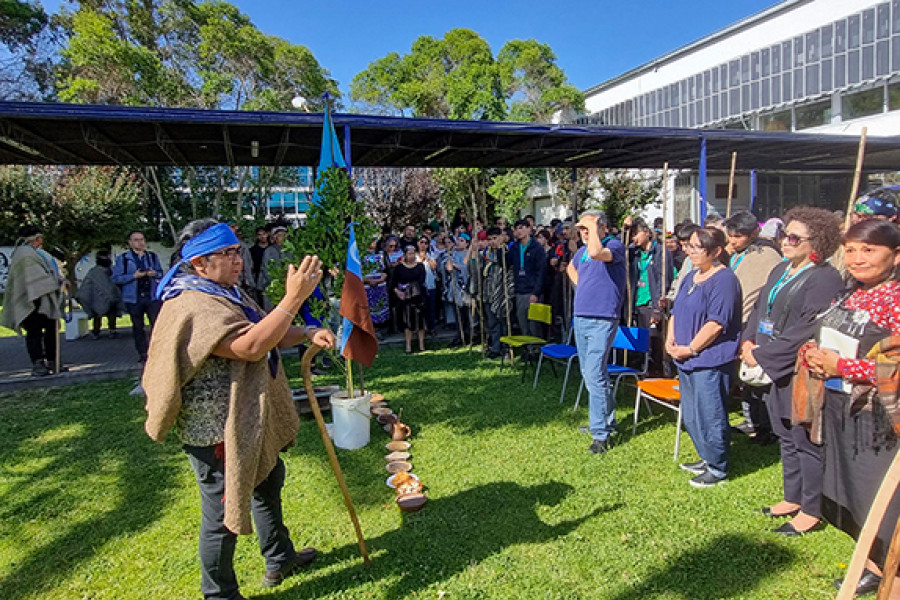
[{"x": 783, "y": 282}]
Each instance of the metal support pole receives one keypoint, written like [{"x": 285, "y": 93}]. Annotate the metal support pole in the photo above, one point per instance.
[
  {"x": 702, "y": 183},
  {"x": 752, "y": 189},
  {"x": 347, "y": 148}
]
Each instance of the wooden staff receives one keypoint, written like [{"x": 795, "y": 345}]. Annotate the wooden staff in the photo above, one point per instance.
[
  {"x": 890, "y": 566},
  {"x": 730, "y": 184},
  {"x": 870, "y": 529},
  {"x": 857, "y": 174},
  {"x": 665, "y": 196},
  {"x": 305, "y": 367},
  {"x": 512, "y": 355}
]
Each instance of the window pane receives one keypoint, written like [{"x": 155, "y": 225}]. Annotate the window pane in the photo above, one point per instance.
[
  {"x": 723, "y": 77},
  {"x": 812, "y": 80},
  {"x": 840, "y": 36},
  {"x": 894, "y": 96},
  {"x": 862, "y": 104},
  {"x": 776, "y": 60},
  {"x": 776, "y": 89},
  {"x": 787, "y": 90},
  {"x": 684, "y": 116},
  {"x": 734, "y": 73},
  {"x": 826, "y": 75},
  {"x": 895, "y": 52},
  {"x": 883, "y": 26},
  {"x": 714, "y": 107},
  {"x": 853, "y": 31},
  {"x": 868, "y": 62},
  {"x": 812, "y": 46},
  {"x": 715, "y": 80},
  {"x": 764, "y": 99},
  {"x": 745, "y": 97},
  {"x": 692, "y": 90},
  {"x": 798, "y": 51},
  {"x": 840, "y": 71},
  {"x": 734, "y": 101},
  {"x": 780, "y": 121},
  {"x": 786, "y": 56},
  {"x": 827, "y": 42},
  {"x": 706, "y": 90},
  {"x": 706, "y": 110},
  {"x": 853, "y": 67},
  {"x": 754, "y": 95},
  {"x": 813, "y": 115},
  {"x": 754, "y": 66},
  {"x": 684, "y": 92},
  {"x": 745, "y": 69},
  {"x": 882, "y": 57},
  {"x": 798, "y": 84},
  {"x": 868, "y": 26},
  {"x": 895, "y": 14}
]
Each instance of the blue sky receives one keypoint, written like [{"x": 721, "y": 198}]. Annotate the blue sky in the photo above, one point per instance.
[{"x": 594, "y": 40}]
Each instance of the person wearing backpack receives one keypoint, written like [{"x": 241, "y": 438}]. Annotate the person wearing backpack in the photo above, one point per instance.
[{"x": 138, "y": 272}]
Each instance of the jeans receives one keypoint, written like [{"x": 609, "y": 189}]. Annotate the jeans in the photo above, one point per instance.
[
  {"x": 704, "y": 409},
  {"x": 526, "y": 326},
  {"x": 593, "y": 338},
  {"x": 144, "y": 306},
  {"x": 217, "y": 543},
  {"x": 801, "y": 463}
]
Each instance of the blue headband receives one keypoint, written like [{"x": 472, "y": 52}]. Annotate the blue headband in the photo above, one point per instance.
[{"x": 208, "y": 241}]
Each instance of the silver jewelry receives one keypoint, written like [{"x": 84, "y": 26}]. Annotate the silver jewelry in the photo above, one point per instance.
[{"x": 284, "y": 311}]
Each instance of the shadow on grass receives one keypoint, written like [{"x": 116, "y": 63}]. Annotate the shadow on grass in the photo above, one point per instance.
[
  {"x": 729, "y": 566},
  {"x": 87, "y": 450},
  {"x": 447, "y": 537}
]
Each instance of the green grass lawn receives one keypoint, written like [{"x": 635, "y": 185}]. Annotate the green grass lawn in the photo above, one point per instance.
[{"x": 91, "y": 508}]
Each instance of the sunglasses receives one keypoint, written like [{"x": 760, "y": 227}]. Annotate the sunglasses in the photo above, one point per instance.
[
  {"x": 231, "y": 253},
  {"x": 794, "y": 240}
]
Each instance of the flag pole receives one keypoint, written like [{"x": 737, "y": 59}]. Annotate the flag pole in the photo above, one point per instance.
[{"x": 305, "y": 368}]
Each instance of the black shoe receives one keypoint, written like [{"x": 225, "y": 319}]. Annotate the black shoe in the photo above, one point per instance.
[
  {"x": 598, "y": 447},
  {"x": 767, "y": 511},
  {"x": 744, "y": 427},
  {"x": 39, "y": 369},
  {"x": 788, "y": 529},
  {"x": 697, "y": 468},
  {"x": 706, "y": 479},
  {"x": 868, "y": 583},
  {"x": 301, "y": 559}
]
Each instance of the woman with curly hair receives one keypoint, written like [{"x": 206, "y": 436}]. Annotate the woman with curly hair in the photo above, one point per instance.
[{"x": 783, "y": 319}]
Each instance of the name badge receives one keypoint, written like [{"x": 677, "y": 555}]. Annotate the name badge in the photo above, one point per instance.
[
  {"x": 642, "y": 284},
  {"x": 767, "y": 327},
  {"x": 522, "y": 272}
]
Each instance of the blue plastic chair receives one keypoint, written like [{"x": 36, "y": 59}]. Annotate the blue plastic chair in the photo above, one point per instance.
[
  {"x": 562, "y": 353},
  {"x": 631, "y": 339}
]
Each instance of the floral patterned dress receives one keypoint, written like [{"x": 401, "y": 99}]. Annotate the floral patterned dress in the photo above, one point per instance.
[{"x": 374, "y": 265}]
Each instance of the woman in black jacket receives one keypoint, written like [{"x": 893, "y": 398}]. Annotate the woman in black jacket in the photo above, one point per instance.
[{"x": 783, "y": 320}]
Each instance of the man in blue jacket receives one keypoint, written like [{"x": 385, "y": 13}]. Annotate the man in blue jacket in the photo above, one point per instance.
[
  {"x": 138, "y": 272},
  {"x": 529, "y": 264}
]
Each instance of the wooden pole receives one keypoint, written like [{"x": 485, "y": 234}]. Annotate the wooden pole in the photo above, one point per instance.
[
  {"x": 665, "y": 197},
  {"x": 890, "y": 566},
  {"x": 731, "y": 184},
  {"x": 349, "y": 379},
  {"x": 512, "y": 355},
  {"x": 305, "y": 367},
  {"x": 870, "y": 530},
  {"x": 857, "y": 174}
]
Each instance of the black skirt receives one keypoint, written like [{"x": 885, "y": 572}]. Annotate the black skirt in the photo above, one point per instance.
[{"x": 858, "y": 452}]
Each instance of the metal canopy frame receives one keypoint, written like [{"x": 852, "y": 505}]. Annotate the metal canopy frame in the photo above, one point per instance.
[{"x": 78, "y": 134}]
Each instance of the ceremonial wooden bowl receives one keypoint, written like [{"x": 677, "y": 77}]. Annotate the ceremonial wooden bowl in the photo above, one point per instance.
[{"x": 411, "y": 502}]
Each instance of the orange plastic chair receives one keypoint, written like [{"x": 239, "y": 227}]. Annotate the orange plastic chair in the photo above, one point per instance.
[{"x": 663, "y": 392}]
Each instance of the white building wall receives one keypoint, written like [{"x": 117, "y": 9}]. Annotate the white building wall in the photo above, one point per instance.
[{"x": 734, "y": 41}]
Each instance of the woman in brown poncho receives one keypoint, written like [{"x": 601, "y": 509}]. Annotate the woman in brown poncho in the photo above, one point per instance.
[{"x": 214, "y": 375}]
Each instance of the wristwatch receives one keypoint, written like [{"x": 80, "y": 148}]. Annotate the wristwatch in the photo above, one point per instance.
[{"x": 693, "y": 352}]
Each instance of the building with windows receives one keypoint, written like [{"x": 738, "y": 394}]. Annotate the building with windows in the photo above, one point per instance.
[{"x": 822, "y": 66}]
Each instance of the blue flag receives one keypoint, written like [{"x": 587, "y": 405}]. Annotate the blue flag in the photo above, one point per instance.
[{"x": 330, "y": 154}]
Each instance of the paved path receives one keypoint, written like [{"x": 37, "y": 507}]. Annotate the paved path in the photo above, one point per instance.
[{"x": 93, "y": 360}]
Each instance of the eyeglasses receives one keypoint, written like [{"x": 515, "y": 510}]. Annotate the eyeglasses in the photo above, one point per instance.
[
  {"x": 794, "y": 240},
  {"x": 231, "y": 253},
  {"x": 694, "y": 248}
]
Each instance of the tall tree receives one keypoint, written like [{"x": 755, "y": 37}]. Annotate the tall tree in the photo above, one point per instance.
[
  {"x": 398, "y": 197},
  {"x": 617, "y": 192},
  {"x": 535, "y": 86},
  {"x": 80, "y": 209},
  {"x": 24, "y": 62}
]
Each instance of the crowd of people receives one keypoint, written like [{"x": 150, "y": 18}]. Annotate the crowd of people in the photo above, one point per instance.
[{"x": 799, "y": 318}]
